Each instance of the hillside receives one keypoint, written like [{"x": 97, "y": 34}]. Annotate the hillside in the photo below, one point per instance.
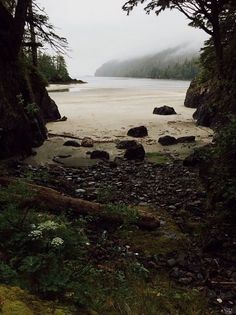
[{"x": 171, "y": 63}]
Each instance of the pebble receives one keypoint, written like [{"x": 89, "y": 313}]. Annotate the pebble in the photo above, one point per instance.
[
  {"x": 171, "y": 262},
  {"x": 185, "y": 281},
  {"x": 80, "y": 191}
]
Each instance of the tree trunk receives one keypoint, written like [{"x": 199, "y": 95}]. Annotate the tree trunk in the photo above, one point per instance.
[
  {"x": 51, "y": 200},
  {"x": 18, "y": 27},
  {"x": 217, "y": 37},
  {"x": 33, "y": 36}
]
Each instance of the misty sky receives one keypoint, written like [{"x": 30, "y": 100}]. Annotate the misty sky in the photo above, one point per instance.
[{"x": 98, "y": 30}]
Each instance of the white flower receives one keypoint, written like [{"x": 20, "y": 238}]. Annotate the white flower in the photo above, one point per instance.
[
  {"x": 35, "y": 234},
  {"x": 48, "y": 226},
  {"x": 57, "y": 241}
]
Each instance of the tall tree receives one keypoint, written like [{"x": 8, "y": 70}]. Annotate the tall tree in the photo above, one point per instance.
[
  {"x": 13, "y": 26},
  {"x": 207, "y": 15}
]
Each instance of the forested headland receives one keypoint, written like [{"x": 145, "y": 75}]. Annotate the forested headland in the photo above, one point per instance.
[{"x": 170, "y": 63}]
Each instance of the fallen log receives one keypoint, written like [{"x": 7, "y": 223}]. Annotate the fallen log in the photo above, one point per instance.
[{"x": 51, "y": 200}]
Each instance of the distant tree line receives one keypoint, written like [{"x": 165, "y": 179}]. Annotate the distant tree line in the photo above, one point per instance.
[
  {"x": 53, "y": 68},
  {"x": 163, "y": 65}
]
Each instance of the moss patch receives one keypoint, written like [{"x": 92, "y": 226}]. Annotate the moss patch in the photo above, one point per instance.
[
  {"x": 15, "y": 301},
  {"x": 158, "y": 158},
  {"x": 166, "y": 239}
]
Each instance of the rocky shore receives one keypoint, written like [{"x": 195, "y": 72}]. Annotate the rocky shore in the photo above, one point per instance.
[{"x": 192, "y": 250}]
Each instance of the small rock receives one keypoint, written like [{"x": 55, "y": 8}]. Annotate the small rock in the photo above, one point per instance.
[
  {"x": 175, "y": 273},
  {"x": 186, "y": 139},
  {"x": 164, "y": 110},
  {"x": 167, "y": 140},
  {"x": 102, "y": 155},
  {"x": 64, "y": 118},
  {"x": 185, "y": 280},
  {"x": 171, "y": 262},
  {"x": 138, "y": 132},
  {"x": 71, "y": 143},
  {"x": 87, "y": 142},
  {"x": 80, "y": 191}
]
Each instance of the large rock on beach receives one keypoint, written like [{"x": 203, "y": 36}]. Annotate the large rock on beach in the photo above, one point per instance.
[
  {"x": 87, "y": 142},
  {"x": 126, "y": 144},
  {"x": 167, "y": 140},
  {"x": 138, "y": 132},
  {"x": 102, "y": 155},
  {"x": 136, "y": 152},
  {"x": 164, "y": 110}
]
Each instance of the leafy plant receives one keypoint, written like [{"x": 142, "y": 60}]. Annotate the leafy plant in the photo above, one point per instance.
[{"x": 32, "y": 109}]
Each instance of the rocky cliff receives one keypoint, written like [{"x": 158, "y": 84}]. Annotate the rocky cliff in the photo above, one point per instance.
[{"x": 25, "y": 107}]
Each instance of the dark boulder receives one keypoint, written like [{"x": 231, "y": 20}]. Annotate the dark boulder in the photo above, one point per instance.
[
  {"x": 164, "y": 110},
  {"x": 167, "y": 140},
  {"x": 135, "y": 152},
  {"x": 71, "y": 143},
  {"x": 126, "y": 144},
  {"x": 138, "y": 132},
  {"x": 102, "y": 155},
  {"x": 186, "y": 139}
]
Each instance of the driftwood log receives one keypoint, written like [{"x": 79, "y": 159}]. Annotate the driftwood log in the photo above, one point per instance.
[{"x": 51, "y": 200}]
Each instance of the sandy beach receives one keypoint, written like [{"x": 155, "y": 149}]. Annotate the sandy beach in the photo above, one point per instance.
[{"x": 104, "y": 109}]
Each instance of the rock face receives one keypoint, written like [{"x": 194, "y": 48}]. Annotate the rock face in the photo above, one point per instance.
[
  {"x": 87, "y": 142},
  {"x": 167, "y": 140},
  {"x": 126, "y": 144},
  {"x": 136, "y": 152},
  {"x": 25, "y": 107},
  {"x": 213, "y": 100},
  {"x": 138, "y": 132},
  {"x": 195, "y": 94},
  {"x": 71, "y": 143},
  {"x": 164, "y": 110},
  {"x": 102, "y": 155}
]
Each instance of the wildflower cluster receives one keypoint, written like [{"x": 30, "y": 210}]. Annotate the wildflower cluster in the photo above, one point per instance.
[
  {"x": 57, "y": 241},
  {"x": 43, "y": 229}
]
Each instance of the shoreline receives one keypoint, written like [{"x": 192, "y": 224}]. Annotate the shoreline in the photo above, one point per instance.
[{"x": 105, "y": 111}]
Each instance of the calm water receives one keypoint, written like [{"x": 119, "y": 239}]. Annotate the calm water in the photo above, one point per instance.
[{"x": 130, "y": 83}]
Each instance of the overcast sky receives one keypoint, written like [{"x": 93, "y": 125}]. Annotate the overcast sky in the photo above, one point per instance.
[{"x": 98, "y": 31}]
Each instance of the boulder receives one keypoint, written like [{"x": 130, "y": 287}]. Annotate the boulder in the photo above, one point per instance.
[
  {"x": 135, "y": 152},
  {"x": 102, "y": 155},
  {"x": 87, "y": 142},
  {"x": 126, "y": 144},
  {"x": 186, "y": 139},
  {"x": 164, "y": 110},
  {"x": 71, "y": 143},
  {"x": 167, "y": 140},
  {"x": 138, "y": 132}
]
